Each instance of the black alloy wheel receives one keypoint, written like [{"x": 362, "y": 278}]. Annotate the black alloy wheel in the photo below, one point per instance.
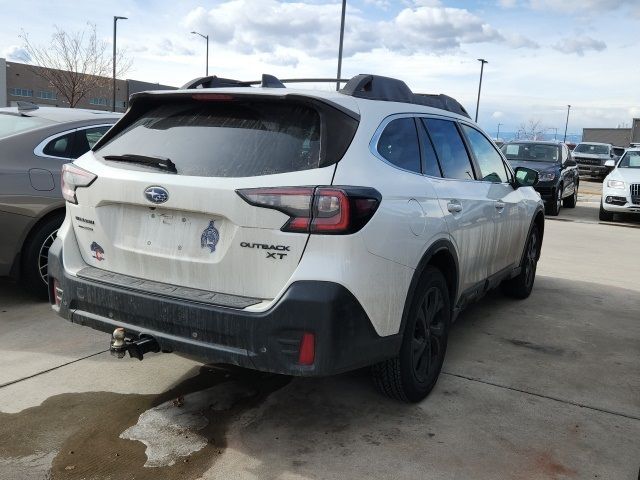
[
  {"x": 414, "y": 371},
  {"x": 428, "y": 342}
]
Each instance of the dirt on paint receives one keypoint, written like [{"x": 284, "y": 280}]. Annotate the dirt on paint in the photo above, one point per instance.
[{"x": 83, "y": 430}]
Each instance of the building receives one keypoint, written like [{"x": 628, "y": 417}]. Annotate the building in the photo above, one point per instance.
[
  {"x": 20, "y": 82},
  {"x": 620, "y": 137}
]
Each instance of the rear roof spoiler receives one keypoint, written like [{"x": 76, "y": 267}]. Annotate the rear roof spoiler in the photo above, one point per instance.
[{"x": 371, "y": 87}]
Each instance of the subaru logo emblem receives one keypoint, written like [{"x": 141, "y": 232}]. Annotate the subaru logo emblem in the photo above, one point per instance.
[{"x": 156, "y": 194}]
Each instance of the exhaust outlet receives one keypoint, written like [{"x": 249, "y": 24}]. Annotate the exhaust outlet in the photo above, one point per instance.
[{"x": 120, "y": 345}]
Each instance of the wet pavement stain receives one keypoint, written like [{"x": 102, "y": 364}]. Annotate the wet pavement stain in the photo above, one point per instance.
[{"x": 83, "y": 430}]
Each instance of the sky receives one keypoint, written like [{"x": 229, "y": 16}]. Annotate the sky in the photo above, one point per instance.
[{"x": 543, "y": 54}]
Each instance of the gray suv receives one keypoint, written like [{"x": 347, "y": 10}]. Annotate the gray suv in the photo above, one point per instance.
[
  {"x": 591, "y": 158},
  {"x": 35, "y": 143}
]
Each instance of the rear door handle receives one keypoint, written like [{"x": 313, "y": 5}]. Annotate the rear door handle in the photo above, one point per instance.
[{"x": 454, "y": 207}]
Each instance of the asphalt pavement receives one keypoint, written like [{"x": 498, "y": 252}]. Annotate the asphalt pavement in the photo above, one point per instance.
[{"x": 546, "y": 388}]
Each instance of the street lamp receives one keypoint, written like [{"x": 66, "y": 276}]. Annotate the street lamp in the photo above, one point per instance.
[
  {"x": 566, "y": 124},
  {"x": 498, "y": 134},
  {"x": 115, "y": 21},
  {"x": 206, "y": 37},
  {"x": 344, "y": 9},
  {"x": 482, "y": 62}
]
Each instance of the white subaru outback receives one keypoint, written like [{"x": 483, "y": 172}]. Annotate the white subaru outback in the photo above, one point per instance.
[{"x": 293, "y": 231}]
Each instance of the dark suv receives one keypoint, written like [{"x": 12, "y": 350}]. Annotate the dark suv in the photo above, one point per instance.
[{"x": 559, "y": 178}]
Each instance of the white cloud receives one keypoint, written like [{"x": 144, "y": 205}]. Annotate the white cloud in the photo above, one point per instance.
[
  {"x": 17, "y": 54},
  {"x": 520, "y": 41},
  {"x": 497, "y": 115},
  {"x": 507, "y": 3},
  {"x": 580, "y": 6},
  {"x": 257, "y": 27},
  {"x": 579, "y": 45}
]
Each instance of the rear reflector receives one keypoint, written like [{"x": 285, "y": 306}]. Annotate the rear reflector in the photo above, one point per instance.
[
  {"x": 307, "y": 353},
  {"x": 320, "y": 210},
  {"x": 57, "y": 292}
]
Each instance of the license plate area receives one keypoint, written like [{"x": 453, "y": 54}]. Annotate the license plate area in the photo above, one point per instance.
[{"x": 163, "y": 232}]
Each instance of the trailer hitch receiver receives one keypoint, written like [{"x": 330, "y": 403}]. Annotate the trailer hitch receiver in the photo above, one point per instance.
[{"x": 120, "y": 345}]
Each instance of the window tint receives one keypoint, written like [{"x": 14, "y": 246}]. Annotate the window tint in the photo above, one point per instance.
[
  {"x": 452, "y": 154},
  {"x": 490, "y": 162},
  {"x": 86, "y": 138},
  {"x": 239, "y": 138},
  {"x": 60, "y": 146},
  {"x": 429, "y": 160},
  {"x": 399, "y": 144}
]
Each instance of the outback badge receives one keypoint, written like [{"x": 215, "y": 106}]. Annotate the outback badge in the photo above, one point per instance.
[
  {"x": 156, "y": 194},
  {"x": 210, "y": 237}
]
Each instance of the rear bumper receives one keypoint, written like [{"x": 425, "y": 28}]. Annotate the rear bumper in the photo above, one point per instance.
[{"x": 268, "y": 341}]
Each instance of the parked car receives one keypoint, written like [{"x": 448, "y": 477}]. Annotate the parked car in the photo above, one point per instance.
[
  {"x": 220, "y": 224},
  {"x": 34, "y": 144},
  {"x": 621, "y": 188},
  {"x": 559, "y": 179},
  {"x": 591, "y": 158}
]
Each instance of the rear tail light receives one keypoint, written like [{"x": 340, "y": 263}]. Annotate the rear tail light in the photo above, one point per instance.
[
  {"x": 321, "y": 210},
  {"x": 72, "y": 178}
]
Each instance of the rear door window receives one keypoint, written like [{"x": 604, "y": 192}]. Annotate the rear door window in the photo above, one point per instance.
[
  {"x": 398, "y": 144},
  {"x": 61, "y": 146},
  {"x": 492, "y": 168},
  {"x": 450, "y": 148},
  {"x": 239, "y": 138}
]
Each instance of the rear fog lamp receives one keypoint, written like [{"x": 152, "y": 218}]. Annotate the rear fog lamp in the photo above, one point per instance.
[{"x": 307, "y": 352}]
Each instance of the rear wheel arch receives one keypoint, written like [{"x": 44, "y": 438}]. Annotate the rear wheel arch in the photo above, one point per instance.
[
  {"x": 36, "y": 226},
  {"x": 441, "y": 255}
]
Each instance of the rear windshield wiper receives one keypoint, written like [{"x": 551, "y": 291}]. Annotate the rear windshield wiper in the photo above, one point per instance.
[{"x": 160, "y": 162}]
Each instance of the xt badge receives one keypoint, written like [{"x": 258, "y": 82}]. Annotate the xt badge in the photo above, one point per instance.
[{"x": 276, "y": 255}]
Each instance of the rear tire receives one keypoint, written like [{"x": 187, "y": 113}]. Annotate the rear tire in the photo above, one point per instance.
[
  {"x": 520, "y": 286},
  {"x": 33, "y": 273},
  {"x": 604, "y": 215},
  {"x": 570, "y": 202},
  {"x": 413, "y": 373}
]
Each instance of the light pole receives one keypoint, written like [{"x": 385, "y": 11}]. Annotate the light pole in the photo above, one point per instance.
[
  {"x": 206, "y": 37},
  {"x": 567, "y": 123},
  {"x": 498, "y": 134},
  {"x": 115, "y": 21},
  {"x": 482, "y": 62},
  {"x": 344, "y": 9}
]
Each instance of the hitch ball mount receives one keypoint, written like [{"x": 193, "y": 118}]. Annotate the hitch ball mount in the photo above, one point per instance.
[{"x": 120, "y": 345}]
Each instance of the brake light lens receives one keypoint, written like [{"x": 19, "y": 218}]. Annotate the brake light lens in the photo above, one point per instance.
[
  {"x": 320, "y": 210},
  {"x": 72, "y": 178}
]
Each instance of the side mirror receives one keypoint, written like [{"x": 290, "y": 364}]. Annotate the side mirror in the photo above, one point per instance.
[
  {"x": 610, "y": 163},
  {"x": 570, "y": 162},
  {"x": 525, "y": 177}
]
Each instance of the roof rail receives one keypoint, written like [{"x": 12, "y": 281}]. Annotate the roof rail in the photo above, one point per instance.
[
  {"x": 376, "y": 87},
  {"x": 371, "y": 87}
]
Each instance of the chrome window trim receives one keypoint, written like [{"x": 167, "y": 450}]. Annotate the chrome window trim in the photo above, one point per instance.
[{"x": 39, "y": 150}]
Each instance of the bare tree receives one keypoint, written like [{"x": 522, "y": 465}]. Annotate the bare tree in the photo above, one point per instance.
[
  {"x": 531, "y": 130},
  {"x": 75, "y": 63}
]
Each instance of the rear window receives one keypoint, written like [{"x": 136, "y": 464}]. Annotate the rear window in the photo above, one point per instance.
[
  {"x": 239, "y": 138},
  {"x": 11, "y": 124}
]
